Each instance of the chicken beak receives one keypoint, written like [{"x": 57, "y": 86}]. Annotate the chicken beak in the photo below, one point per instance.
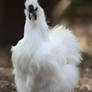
[
  {"x": 30, "y": 15},
  {"x": 34, "y": 15}
]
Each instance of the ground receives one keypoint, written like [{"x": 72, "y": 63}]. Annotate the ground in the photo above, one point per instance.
[{"x": 7, "y": 83}]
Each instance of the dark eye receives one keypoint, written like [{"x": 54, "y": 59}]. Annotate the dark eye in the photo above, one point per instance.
[
  {"x": 31, "y": 8},
  {"x": 36, "y": 8}
]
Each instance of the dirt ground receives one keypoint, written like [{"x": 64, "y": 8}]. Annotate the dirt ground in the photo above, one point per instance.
[
  {"x": 83, "y": 29},
  {"x": 7, "y": 81}
]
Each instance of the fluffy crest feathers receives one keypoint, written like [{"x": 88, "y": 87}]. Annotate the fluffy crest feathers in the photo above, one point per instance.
[{"x": 33, "y": 2}]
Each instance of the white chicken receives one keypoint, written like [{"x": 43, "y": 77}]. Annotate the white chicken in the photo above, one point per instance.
[{"x": 46, "y": 59}]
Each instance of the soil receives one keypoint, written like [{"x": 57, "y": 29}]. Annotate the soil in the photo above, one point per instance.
[{"x": 7, "y": 83}]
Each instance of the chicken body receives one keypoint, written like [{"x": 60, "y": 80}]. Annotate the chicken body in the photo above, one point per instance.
[{"x": 46, "y": 59}]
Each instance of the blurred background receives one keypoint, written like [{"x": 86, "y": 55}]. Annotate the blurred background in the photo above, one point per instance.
[{"x": 74, "y": 14}]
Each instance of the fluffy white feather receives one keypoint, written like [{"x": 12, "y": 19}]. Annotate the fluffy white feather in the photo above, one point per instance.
[{"x": 45, "y": 60}]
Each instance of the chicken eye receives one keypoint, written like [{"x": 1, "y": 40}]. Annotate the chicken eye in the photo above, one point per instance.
[{"x": 36, "y": 8}]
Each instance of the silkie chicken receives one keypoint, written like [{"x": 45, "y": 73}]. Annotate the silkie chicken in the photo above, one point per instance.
[{"x": 46, "y": 59}]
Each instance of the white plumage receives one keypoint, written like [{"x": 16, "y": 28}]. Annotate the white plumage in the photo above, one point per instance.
[{"x": 46, "y": 59}]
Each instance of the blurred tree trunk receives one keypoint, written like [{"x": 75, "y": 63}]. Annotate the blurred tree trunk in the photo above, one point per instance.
[
  {"x": 71, "y": 9},
  {"x": 15, "y": 20},
  {"x": 2, "y": 20},
  {"x": 60, "y": 9}
]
